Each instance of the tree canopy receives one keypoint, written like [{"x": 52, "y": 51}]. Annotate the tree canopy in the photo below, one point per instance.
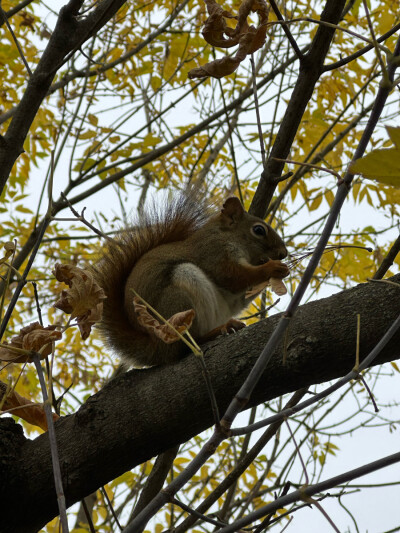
[{"x": 106, "y": 105}]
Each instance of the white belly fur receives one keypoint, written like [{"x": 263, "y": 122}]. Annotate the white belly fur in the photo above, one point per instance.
[{"x": 214, "y": 306}]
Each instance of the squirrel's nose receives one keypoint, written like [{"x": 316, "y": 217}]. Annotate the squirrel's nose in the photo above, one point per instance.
[{"x": 282, "y": 252}]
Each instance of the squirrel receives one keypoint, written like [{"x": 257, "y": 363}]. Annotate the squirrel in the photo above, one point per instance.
[{"x": 189, "y": 257}]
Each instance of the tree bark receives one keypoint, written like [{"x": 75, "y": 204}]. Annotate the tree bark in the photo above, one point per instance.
[{"x": 142, "y": 413}]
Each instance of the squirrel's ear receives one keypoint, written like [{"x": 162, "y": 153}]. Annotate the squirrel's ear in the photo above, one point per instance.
[{"x": 232, "y": 210}]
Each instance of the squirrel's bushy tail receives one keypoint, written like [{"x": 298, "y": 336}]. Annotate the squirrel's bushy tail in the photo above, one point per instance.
[{"x": 174, "y": 221}]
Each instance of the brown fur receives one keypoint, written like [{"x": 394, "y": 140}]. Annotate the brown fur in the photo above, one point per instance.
[{"x": 187, "y": 257}]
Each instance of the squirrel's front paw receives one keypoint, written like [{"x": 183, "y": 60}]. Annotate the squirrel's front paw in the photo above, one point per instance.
[
  {"x": 276, "y": 269},
  {"x": 232, "y": 326}
]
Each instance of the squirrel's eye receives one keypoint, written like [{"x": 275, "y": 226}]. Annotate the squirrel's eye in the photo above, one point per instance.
[{"x": 259, "y": 230}]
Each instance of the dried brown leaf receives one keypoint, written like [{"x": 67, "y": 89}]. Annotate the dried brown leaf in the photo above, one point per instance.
[
  {"x": 83, "y": 300},
  {"x": 33, "y": 338},
  {"x": 9, "y": 247},
  {"x": 217, "y": 33},
  {"x": 277, "y": 286},
  {"x": 29, "y": 411},
  {"x": 180, "y": 321}
]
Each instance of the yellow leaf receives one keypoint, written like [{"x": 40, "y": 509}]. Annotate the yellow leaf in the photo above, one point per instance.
[
  {"x": 382, "y": 165},
  {"x": 93, "y": 119},
  {"x": 23, "y": 209},
  {"x": 102, "y": 512},
  {"x": 151, "y": 140},
  {"x": 181, "y": 460},
  {"x": 329, "y": 196},
  {"x": 316, "y": 203},
  {"x": 394, "y": 365},
  {"x": 394, "y": 134},
  {"x": 88, "y": 135},
  {"x": 356, "y": 190},
  {"x": 155, "y": 83}
]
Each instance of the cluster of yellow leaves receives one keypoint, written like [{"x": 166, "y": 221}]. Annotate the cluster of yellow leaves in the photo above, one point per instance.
[
  {"x": 12, "y": 70},
  {"x": 322, "y": 449}
]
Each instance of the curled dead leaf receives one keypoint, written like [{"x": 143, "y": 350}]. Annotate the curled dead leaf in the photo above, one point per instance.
[
  {"x": 9, "y": 247},
  {"x": 23, "y": 408},
  {"x": 217, "y": 33},
  {"x": 32, "y": 338},
  {"x": 181, "y": 322},
  {"x": 83, "y": 300},
  {"x": 277, "y": 286}
]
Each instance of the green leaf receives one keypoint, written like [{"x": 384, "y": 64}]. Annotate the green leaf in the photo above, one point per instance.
[{"x": 382, "y": 165}]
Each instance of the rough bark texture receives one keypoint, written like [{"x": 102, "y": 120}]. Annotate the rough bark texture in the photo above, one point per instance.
[{"x": 143, "y": 413}]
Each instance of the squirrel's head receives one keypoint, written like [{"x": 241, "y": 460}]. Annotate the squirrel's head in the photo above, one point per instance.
[{"x": 259, "y": 239}]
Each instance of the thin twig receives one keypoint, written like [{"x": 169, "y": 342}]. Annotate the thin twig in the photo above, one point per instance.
[
  {"x": 286, "y": 30},
  {"x": 388, "y": 261},
  {"x": 303, "y": 466},
  {"x": 333, "y": 26},
  {"x": 21, "y": 53},
  {"x": 53, "y": 446},
  {"x": 88, "y": 517},
  {"x": 322, "y": 511},
  {"x": 376, "y": 45},
  {"x": 257, "y": 108},
  {"x": 231, "y": 145},
  {"x": 82, "y": 219},
  {"x": 110, "y": 505},
  {"x": 197, "y": 514},
  {"x": 309, "y": 165},
  {"x": 376, "y": 408},
  {"x": 38, "y": 309}
]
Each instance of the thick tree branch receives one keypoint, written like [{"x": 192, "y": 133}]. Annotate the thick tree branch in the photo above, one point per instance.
[
  {"x": 389, "y": 259},
  {"x": 311, "y": 68},
  {"x": 143, "y": 413}
]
